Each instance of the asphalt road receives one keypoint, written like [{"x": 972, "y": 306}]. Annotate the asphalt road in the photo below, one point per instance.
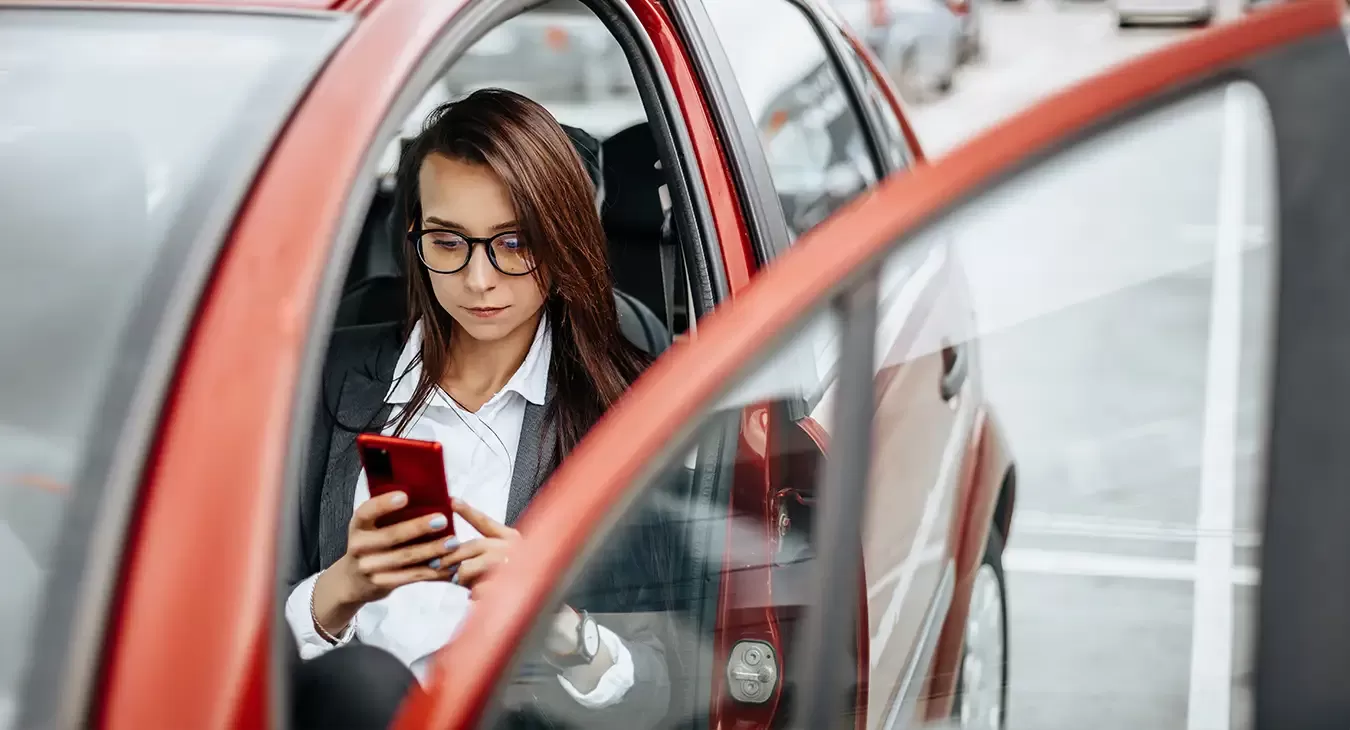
[{"x": 1122, "y": 293}]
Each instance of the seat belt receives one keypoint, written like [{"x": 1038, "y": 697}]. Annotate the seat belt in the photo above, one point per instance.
[
  {"x": 669, "y": 254},
  {"x": 668, "y": 262}
]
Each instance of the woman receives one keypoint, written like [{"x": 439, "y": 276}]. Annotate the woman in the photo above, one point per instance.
[{"x": 513, "y": 351}]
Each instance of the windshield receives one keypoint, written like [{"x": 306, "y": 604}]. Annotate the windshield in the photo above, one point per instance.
[{"x": 111, "y": 129}]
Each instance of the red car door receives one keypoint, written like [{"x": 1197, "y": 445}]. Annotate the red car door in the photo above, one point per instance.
[
  {"x": 216, "y": 464},
  {"x": 620, "y": 503}
]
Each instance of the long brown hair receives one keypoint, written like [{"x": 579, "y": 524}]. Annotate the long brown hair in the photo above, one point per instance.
[{"x": 554, "y": 201}]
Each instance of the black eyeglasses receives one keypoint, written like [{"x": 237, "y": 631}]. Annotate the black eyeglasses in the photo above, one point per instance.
[{"x": 447, "y": 252}]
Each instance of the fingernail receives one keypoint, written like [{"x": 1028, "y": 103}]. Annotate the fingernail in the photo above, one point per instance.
[
  {"x": 454, "y": 575},
  {"x": 399, "y": 499},
  {"x": 435, "y": 564},
  {"x": 438, "y": 522},
  {"x": 452, "y": 543}
]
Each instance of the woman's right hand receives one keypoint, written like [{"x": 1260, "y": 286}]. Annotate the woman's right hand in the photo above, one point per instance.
[{"x": 377, "y": 561}]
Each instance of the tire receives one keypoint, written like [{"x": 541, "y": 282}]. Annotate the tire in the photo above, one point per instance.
[{"x": 988, "y": 577}]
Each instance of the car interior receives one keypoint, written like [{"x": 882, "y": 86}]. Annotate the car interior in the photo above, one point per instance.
[{"x": 649, "y": 235}]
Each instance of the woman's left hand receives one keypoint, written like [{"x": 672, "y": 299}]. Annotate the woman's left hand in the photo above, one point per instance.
[{"x": 472, "y": 562}]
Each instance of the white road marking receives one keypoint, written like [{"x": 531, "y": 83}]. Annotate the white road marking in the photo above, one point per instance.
[
  {"x": 1102, "y": 565},
  {"x": 1027, "y": 522},
  {"x": 1210, "y": 699},
  {"x": 1253, "y": 235}
]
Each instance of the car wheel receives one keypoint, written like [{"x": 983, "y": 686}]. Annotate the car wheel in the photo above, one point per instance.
[{"x": 982, "y": 679}]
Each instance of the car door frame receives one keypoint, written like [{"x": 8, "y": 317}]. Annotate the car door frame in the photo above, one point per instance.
[
  {"x": 280, "y": 300},
  {"x": 1303, "y": 652},
  {"x": 844, "y": 41}
]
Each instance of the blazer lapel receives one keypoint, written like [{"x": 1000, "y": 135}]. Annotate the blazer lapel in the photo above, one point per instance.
[
  {"x": 534, "y": 458},
  {"x": 360, "y": 406}
]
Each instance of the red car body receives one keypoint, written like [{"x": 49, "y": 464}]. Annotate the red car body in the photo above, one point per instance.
[{"x": 159, "y": 641}]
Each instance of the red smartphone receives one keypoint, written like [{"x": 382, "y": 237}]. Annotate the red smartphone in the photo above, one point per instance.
[{"x": 414, "y": 467}]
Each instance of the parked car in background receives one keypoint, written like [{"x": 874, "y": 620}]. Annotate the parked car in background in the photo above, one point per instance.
[
  {"x": 1139, "y": 12},
  {"x": 921, "y": 43}
]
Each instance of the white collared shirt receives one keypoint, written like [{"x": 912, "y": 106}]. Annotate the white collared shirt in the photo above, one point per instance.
[{"x": 415, "y": 620}]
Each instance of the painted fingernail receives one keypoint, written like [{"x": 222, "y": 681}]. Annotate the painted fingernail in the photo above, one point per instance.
[
  {"x": 399, "y": 499},
  {"x": 438, "y": 522},
  {"x": 454, "y": 575},
  {"x": 435, "y": 564},
  {"x": 452, "y": 543}
]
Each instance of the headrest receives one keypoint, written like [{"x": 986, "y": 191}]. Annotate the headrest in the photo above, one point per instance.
[
  {"x": 633, "y": 180},
  {"x": 589, "y": 149}
]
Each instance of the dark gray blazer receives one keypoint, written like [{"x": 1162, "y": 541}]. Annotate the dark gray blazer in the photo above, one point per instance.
[{"x": 359, "y": 370}]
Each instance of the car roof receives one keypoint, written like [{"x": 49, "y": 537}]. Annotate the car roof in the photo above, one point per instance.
[{"x": 244, "y": 5}]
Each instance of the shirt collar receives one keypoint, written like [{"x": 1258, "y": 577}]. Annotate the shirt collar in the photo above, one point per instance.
[{"x": 530, "y": 380}]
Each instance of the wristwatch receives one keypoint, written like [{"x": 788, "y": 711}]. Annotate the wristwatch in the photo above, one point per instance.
[{"x": 588, "y": 645}]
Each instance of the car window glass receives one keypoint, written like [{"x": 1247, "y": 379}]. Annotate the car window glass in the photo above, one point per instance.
[
  {"x": 812, "y": 135},
  {"x": 892, "y": 141},
  {"x": 1069, "y": 423},
  {"x": 702, "y": 530},
  {"x": 109, "y": 120},
  {"x": 1115, "y": 348}
]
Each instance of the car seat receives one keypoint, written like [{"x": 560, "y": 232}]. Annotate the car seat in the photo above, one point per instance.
[
  {"x": 636, "y": 215},
  {"x": 375, "y": 288}
]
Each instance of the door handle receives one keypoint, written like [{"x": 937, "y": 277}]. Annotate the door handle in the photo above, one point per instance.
[{"x": 955, "y": 367}]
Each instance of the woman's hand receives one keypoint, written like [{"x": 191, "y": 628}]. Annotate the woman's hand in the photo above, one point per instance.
[
  {"x": 472, "y": 562},
  {"x": 378, "y": 560}
]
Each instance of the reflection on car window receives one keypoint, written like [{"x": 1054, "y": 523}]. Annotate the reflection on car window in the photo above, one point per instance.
[
  {"x": 1117, "y": 301},
  {"x": 108, "y": 120},
  {"x": 813, "y": 138},
  {"x": 1069, "y": 422},
  {"x": 698, "y": 540}
]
